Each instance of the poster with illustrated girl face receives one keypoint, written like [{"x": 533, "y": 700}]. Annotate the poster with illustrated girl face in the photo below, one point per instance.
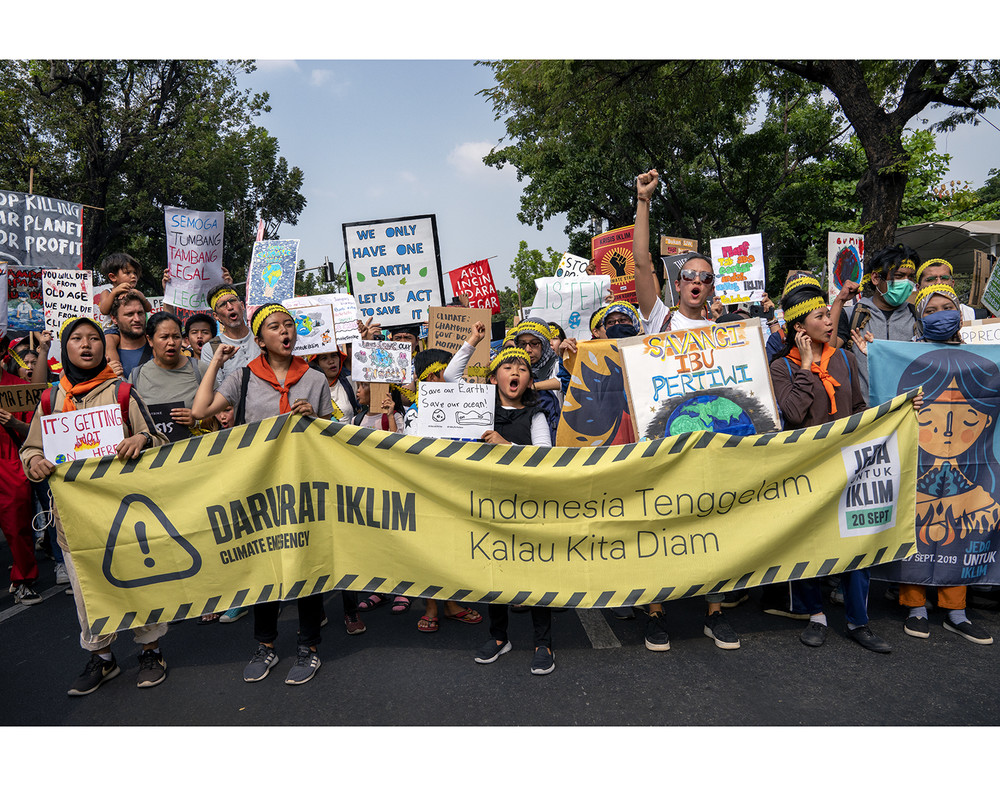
[{"x": 958, "y": 478}]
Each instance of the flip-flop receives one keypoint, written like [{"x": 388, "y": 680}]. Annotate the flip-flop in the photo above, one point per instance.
[
  {"x": 208, "y": 619},
  {"x": 427, "y": 624},
  {"x": 370, "y": 602},
  {"x": 467, "y": 615},
  {"x": 399, "y": 605}
]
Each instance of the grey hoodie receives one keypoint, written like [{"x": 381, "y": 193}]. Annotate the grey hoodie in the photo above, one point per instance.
[{"x": 898, "y": 325}]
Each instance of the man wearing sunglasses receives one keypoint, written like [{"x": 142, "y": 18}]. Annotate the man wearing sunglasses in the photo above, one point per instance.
[{"x": 695, "y": 287}]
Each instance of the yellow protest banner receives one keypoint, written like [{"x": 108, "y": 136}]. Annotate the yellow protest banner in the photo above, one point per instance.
[{"x": 315, "y": 506}]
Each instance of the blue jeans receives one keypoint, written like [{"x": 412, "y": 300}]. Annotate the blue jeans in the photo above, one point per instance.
[{"x": 809, "y": 594}]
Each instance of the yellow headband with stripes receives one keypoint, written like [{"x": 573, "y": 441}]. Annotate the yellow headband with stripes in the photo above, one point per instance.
[
  {"x": 263, "y": 313},
  {"x": 798, "y": 283},
  {"x": 508, "y": 353},
  {"x": 801, "y": 309},
  {"x": 437, "y": 366},
  {"x": 619, "y": 305},
  {"x": 935, "y": 288},
  {"x": 934, "y": 262},
  {"x": 214, "y": 299},
  {"x": 532, "y": 327}
]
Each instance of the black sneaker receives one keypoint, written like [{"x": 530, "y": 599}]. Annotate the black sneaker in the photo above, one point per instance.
[
  {"x": 544, "y": 661},
  {"x": 263, "y": 659},
  {"x": 733, "y": 599},
  {"x": 152, "y": 669},
  {"x": 721, "y": 631},
  {"x": 306, "y": 663},
  {"x": 869, "y": 640},
  {"x": 814, "y": 635},
  {"x": 917, "y": 626},
  {"x": 94, "y": 674},
  {"x": 657, "y": 638},
  {"x": 491, "y": 651},
  {"x": 25, "y": 595},
  {"x": 970, "y": 631}
]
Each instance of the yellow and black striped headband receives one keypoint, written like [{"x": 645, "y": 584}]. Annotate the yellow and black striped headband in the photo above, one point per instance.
[
  {"x": 430, "y": 369},
  {"x": 263, "y": 313},
  {"x": 935, "y": 288},
  {"x": 542, "y": 331},
  {"x": 508, "y": 353},
  {"x": 798, "y": 283},
  {"x": 934, "y": 262},
  {"x": 799, "y": 310},
  {"x": 17, "y": 359},
  {"x": 218, "y": 294},
  {"x": 622, "y": 306}
]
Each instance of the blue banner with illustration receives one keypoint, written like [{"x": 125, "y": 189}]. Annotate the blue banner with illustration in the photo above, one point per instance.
[{"x": 958, "y": 477}]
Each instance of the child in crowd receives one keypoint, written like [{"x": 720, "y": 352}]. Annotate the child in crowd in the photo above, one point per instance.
[
  {"x": 518, "y": 421},
  {"x": 198, "y": 329},
  {"x": 345, "y": 403},
  {"x": 278, "y": 382},
  {"x": 815, "y": 383},
  {"x": 123, "y": 273},
  {"x": 535, "y": 337},
  {"x": 437, "y": 366},
  {"x": 88, "y": 382}
]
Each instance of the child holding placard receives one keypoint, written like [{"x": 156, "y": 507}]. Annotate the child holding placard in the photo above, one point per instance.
[
  {"x": 518, "y": 421},
  {"x": 88, "y": 382}
]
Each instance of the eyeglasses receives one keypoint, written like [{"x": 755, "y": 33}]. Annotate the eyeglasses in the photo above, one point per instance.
[
  {"x": 703, "y": 277},
  {"x": 532, "y": 343}
]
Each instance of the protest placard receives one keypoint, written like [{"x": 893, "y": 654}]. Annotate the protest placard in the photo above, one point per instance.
[
  {"x": 980, "y": 274},
  {"x": 271, "y": 275},
  {"x": 569, "y": 302},
  {"x": 345, "y": 314},
  {"x": 739, "y": 268},
  {"x": 571, "y": 265},
  {"x": 980, "y": 331},
  {"x": 455, "y": 410},
  {"x": 612, "y": 253},
  {"x": 711, "y": 378},
  {"x": 990, "y": 299},
  {"x": 66, "y": 293},
  {"x": 672, "y": 245},
  {"x": 194, "y": 255},
  {"x": 449, "y": 327},
  {"x": 379, "y": 361},
  {"x": 25, "y": 307},
  {"x": 314, "y": 326},
  {"x": 20, "y": 396},
  {"x": 845, "y": 254},
  {"x": 40, "y": 231},
  {"x": 74, "y": 435},
  {"x": 166, "y": 424},
  {"x": 475, "y": 281},
  {"x": 394, "y": 268}
]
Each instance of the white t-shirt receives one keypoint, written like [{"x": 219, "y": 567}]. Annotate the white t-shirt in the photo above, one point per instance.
[{"x": 677, "y": 320}]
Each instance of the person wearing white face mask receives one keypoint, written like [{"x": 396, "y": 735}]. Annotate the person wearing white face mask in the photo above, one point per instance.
[{"x": 883, "y": 311}]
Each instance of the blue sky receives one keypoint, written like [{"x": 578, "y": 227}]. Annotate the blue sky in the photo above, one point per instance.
[{"x": 380, "y": 139}]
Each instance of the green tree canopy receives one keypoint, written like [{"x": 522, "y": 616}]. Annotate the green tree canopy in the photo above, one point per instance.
[{"x": 130, "y": 137}]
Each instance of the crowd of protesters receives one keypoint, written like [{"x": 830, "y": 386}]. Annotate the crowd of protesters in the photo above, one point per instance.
[{"x": 226, "y": 369}]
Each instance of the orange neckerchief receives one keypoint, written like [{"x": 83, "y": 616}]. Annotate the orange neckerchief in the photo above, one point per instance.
[
  {"x": 829, "y": 382},
  {"x": 296, "y": 370},
  {"x": 69, "y": 404}
]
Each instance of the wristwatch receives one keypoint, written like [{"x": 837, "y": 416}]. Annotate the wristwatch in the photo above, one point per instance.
[{"x": 149, "y": 438}]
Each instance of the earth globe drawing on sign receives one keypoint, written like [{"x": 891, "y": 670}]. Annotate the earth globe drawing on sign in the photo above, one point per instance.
[{"x": 720, "y": 410}]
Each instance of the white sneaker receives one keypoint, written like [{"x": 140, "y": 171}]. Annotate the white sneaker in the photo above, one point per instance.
[{"x": 61, "y": 576}]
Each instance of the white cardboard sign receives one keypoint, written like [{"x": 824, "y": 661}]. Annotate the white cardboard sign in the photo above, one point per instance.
[
  {"x": 85, "y": 433},
  {"x": 456, "y": 410}
]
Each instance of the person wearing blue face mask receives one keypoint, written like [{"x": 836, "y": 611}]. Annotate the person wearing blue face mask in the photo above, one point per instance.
[
  {"x": 939, "y": 314},
  {"x": 883, "y": 311}
]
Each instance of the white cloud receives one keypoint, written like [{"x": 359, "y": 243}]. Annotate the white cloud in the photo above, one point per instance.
[
  {"x": 467, "y": 159},
  {"x": 327, "y": 79},
  {"x": 275, "y": 65}
]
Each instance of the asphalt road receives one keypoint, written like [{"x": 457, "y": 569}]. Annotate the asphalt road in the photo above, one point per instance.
[{"x": 393, "y": 675}]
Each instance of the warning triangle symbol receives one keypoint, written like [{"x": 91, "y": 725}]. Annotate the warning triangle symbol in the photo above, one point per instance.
[{"x": 144, "y": 547}]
